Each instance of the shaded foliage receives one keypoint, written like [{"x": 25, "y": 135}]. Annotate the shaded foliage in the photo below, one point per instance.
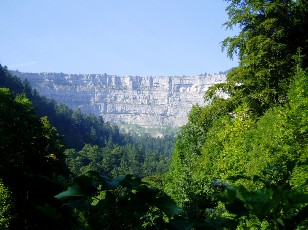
[
  {"x": 31, "y": 162},
  {"x": 5, "y": 207},
  {"x": 120, "y": 203}
]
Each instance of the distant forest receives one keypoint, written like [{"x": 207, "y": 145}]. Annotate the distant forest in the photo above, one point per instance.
[{"x": 241, "y": 162}]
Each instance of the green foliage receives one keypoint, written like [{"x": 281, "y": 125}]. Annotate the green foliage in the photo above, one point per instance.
[
  {"x": 254, "y": 139},
  {"x": 271, "y": 33},
  {"x": 239, "y": 163},
  {"x": 276, "y": 208},
  {"x": 268, "y": 154},
  {"x": 271, "y": 147},
  {"x": 120, "y": 203},
  {"x": 29, "y": 165},
  {"x": 5, "y": 207},
  {"x": 182, "y": 177},
  {"x": 115, "y": 161},
  {"x": 32, "y": 152}
]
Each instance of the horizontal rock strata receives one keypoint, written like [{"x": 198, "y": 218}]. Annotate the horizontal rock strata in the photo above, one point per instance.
[{"x": 146, "y": 101}]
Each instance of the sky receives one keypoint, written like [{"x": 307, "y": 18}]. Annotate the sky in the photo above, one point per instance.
[{"x": 120, "y": 37}]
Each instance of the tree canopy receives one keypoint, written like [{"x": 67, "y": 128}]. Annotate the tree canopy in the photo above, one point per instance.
[
  {"x": 239, "y": 163},
  {"x": 271, "y": 35},
  {"x": 251, "y": 138}
]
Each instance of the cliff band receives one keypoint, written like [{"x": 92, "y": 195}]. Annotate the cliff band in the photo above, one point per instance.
[{"x": 146, "y": 101}]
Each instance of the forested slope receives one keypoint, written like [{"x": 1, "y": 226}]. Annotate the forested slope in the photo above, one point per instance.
[
  {"x": 239, "y": 163},
  {"x": 31, "y": 167}
]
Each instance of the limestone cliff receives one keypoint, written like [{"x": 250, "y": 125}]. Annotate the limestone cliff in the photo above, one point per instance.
[{"x": 145, "y": 101}]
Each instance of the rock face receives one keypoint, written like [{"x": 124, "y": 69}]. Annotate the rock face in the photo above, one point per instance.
[{"x": 145, "y": 101}]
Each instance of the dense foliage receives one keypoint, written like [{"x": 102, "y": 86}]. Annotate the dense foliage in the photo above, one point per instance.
[
  {"x": 115, "y": 161},
  {"x": 271, "y": 34},
  {"x": 31, "y": 163},
  {"x": 120, "y": 203},
  {"x": 239, "y": 163},
  {"x": 6, "y": 206},
  {"x": 252, "y": 142}
]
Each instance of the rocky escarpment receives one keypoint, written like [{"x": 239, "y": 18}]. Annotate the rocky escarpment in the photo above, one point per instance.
[{"x": 145, "y": 101}]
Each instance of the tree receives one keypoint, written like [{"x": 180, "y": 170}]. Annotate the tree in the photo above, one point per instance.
[
  {"x": 30, "y": 164},
  {"x": 253, "y": 136},
  {"x": 182, "y": 180},
  {"x": 271, "y": 33}
]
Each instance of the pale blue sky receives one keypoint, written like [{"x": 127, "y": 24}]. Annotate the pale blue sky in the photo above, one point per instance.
[{"x": 122, "y": 37}]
